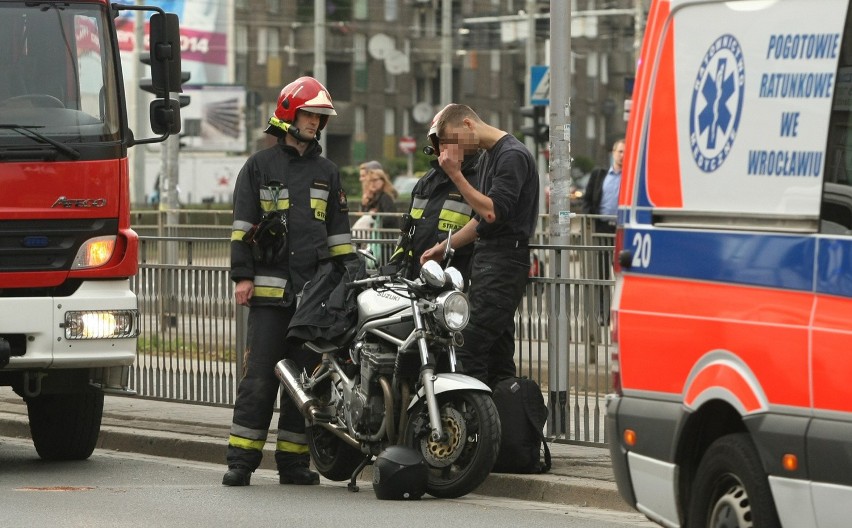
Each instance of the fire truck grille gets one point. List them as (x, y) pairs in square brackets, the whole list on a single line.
[(47, 245)]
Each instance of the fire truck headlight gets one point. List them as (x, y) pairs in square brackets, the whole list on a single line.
[(94, 252), (101, 324)]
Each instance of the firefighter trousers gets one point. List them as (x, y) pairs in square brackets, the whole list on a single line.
[(259, 387)]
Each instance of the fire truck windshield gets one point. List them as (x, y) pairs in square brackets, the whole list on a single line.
[(59, 73)]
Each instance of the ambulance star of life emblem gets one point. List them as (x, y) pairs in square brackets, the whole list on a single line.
[(717, 103)]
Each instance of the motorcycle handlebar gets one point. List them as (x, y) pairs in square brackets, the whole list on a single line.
[(378, 280), (369, 281)]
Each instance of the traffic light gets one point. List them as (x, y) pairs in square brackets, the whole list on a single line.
[(150, 85), (539, 131), (165, 111)]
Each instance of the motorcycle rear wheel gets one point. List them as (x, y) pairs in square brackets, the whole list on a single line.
[(333, 458), (459, 465)]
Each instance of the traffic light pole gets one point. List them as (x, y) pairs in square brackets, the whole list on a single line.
[(141, 113), (560, 214), (168, 221)]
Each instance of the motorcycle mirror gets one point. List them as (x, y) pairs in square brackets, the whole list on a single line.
[(368, 255), (432, 274), (448, 249)]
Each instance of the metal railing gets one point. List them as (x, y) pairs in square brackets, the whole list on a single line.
[(193, 334)]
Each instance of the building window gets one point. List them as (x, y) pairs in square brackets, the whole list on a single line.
[(268, 44), (273, 6), (339, 80), (360, 9), (273, 41), (361, 81), (391, 10), (241, 51), (241, 5), (495, 73), (335, 10), (261, 45)]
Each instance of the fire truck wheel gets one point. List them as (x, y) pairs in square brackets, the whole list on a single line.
[(66, 426), (730, 489)]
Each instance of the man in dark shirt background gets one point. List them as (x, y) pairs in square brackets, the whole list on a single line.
[(506, 207)]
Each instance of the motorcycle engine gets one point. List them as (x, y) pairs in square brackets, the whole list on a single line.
[(368, 404)]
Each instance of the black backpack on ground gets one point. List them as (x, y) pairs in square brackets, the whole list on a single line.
[(522, 416)]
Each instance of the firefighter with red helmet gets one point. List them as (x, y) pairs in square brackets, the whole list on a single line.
[(290, 214)]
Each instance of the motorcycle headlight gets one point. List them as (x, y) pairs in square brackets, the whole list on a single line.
[(452, 310)]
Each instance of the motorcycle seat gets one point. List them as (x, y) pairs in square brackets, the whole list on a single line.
[(322, 345)]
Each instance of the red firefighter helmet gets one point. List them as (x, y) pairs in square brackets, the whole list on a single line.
[(305, 93)]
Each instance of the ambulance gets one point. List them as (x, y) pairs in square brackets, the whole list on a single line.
[(732, 311)]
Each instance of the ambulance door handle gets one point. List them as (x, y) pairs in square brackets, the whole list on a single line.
[(625, 258)]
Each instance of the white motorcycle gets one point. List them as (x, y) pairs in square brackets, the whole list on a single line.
[(392, 380)]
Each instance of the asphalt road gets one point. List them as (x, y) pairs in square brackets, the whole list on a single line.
[(124, 489)]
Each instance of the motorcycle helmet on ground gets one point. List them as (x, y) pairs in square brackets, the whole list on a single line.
[(305, 93), (400, 473)]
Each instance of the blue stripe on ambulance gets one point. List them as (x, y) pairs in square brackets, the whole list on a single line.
[(754, 259)]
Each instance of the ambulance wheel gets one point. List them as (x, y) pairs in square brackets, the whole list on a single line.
[(34, 101), (66, 426), (730, 489)]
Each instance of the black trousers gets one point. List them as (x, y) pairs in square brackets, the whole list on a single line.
[(258, 389), (498, 278)]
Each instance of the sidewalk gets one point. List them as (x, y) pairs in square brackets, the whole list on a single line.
[(580, 475)]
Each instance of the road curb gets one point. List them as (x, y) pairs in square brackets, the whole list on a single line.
[(554, 489)]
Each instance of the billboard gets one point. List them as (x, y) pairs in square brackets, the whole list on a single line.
[(203, 37), (214, 120)]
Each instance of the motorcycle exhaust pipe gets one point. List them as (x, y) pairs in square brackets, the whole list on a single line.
[(289, 375)]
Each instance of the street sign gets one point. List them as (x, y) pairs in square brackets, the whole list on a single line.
[(540, 85), (407, 144)]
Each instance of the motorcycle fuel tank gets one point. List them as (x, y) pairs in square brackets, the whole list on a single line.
[(373, 304)]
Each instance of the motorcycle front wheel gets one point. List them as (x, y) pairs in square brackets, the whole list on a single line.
[(333, 458), (460, 464)]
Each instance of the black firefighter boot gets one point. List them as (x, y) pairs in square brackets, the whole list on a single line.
[(294, 468), (237, 476)]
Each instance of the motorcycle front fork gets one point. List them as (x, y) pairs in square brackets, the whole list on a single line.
[(427, 378)]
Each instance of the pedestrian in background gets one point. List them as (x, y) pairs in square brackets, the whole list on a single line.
[(601, 198), (382, 196), (506, 205), (290, 213), (364, 176)]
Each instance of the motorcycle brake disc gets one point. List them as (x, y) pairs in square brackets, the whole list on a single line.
[(442, 454)]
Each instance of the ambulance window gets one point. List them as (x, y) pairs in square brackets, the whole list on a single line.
[(836, 210)]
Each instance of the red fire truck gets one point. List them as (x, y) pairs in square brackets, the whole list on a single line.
[(733, 302), (68, 319)]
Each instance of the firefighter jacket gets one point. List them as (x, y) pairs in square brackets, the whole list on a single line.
[(304, 190), (437, 207)]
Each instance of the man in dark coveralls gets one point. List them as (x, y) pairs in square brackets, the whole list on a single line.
[(505, 201)]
